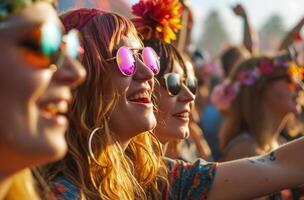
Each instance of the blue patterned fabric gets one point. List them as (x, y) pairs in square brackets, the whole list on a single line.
[(186, 181), (189, 180), (64, 189)]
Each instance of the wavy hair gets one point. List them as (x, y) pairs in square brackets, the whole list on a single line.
[(247, 112), (119, 174)]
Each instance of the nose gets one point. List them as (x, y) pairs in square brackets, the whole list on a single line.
[(142, 71), (71, 73), (185, 95)]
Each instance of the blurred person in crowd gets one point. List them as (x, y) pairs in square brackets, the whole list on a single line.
[(37, 76), (211, 118), (261, 94)]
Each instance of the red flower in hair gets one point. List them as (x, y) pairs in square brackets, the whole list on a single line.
[(158, 18)]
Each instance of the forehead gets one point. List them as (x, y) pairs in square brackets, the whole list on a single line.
[(30, 17), (177, 68), (189, 68), (130, 41)]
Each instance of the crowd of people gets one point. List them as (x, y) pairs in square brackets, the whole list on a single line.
[(100, 106)]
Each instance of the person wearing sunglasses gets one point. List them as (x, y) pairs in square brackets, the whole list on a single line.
[(240, 179), (38, 69), (111, 154)]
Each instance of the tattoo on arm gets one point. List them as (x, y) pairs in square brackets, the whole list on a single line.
[(272, 157)]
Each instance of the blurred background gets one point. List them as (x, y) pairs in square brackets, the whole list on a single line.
[(215, 26)]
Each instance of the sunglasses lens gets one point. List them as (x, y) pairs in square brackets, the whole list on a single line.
[(173, 83), (150, 59), (37, 60), (125, 61), (192, 84), (50, 38), (72, 44)]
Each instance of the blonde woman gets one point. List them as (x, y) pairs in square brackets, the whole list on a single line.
[(109, 156), (36, 81)]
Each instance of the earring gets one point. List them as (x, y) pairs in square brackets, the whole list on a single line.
[(90, 144)]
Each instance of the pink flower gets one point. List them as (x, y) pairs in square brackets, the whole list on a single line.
[(266, 66), (222, 96)]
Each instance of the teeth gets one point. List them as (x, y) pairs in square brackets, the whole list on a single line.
[(53, 108), (140, 96), (185, 114), (63, 107)]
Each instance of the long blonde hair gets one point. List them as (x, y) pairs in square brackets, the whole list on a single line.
[(247, 112), (120, 174)]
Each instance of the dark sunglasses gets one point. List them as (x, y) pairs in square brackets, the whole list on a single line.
[(173, 83), (46, 46), (126, 61)]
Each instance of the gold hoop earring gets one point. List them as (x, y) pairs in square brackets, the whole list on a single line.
[(90, 144)]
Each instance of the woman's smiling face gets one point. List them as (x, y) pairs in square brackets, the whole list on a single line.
[(133, 113), (173, 112), (33, 99)]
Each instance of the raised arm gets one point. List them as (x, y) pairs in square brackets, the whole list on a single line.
[(249, 35), (257, 176), (291, 35)]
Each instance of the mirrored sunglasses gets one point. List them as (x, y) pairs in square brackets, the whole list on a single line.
[(126, 60), (173, 83), (46, 46)]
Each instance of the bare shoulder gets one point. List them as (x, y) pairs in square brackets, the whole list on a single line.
[(240, 148)]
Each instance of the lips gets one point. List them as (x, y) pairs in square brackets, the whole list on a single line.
[(185, 115), (54, 107), (142, 96)]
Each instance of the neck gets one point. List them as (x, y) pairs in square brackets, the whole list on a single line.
[(276, 126), (164, 147), (124, 144)]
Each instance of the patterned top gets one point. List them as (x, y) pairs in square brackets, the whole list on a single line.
[(189, 180), (186, 181)]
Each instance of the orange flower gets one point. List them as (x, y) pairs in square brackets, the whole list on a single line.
[(161, 16), (295, 72)]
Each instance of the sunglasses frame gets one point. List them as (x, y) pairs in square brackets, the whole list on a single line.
[(64, 43), (139, 57), (183, 81), (57, 57)]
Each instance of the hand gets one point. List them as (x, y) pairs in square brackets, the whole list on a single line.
[(239, 10)]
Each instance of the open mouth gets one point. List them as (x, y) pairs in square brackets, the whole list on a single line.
[(143, 97), (185, 115), (54, 108)]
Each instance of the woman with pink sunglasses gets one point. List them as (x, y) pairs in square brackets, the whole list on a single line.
[(111, 152), (37, 76)]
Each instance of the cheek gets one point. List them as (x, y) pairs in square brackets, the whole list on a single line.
[(165, 103), (117, 82)]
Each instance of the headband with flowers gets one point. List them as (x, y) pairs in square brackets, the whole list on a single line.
[(224, 93), (158, 18), (8, 7)]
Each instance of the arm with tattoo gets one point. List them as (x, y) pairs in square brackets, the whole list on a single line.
[(258, 176)]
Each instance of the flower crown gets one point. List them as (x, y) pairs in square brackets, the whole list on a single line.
[(8, 7), (158, 18), (224, 93)]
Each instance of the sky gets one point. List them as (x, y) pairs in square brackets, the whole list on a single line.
[(258, 11)]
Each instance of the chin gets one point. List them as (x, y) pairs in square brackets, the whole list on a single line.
[(54, 150), (149, 124)]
